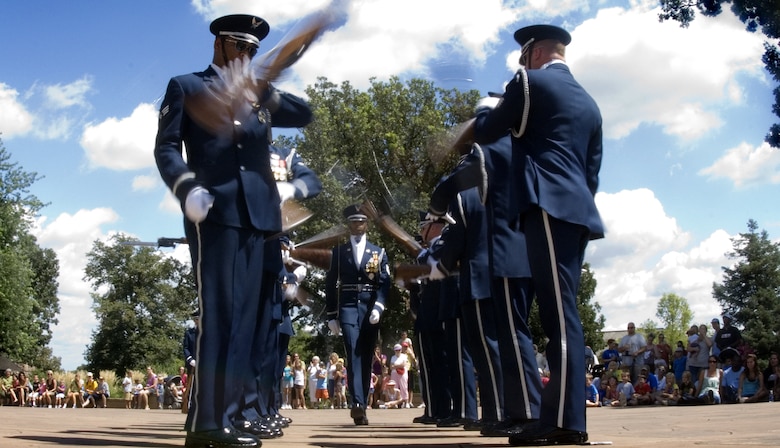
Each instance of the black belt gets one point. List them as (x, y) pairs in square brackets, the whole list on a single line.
[(357, 288)]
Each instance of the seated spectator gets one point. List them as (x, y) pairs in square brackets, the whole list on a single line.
[(32, 397), (59, 396), (51, 390), (40, 396), (7, 393), (140, 397), (751, 382), (74, 392), (687, 388), (611, 392), (90, 386), (731, 375), (771, 374), (651, 380), (591, 393), (149, 389), (643, 393), (611, 353), (22, 388), (625, 390), (670, 394), (391, 398), (102, 393), (709, 382)]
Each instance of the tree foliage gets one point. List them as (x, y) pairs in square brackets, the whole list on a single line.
[(28, 273), (141, 299), (675, 315), (761, 15), (750, 289), (380, 144)]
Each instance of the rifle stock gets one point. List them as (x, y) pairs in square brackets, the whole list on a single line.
[(407, 272)]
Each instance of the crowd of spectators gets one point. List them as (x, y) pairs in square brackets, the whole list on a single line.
[(84, 390), (707, 368)]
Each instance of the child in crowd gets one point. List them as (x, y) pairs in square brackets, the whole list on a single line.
[(625, 390), (670, 394), (59, 398), (338, 389), (611, 395), (643, 392), (322, 386), (591, 393)]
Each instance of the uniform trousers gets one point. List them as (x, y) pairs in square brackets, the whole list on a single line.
[(522, 384), (556, 250), (460, 368), (359, 343), (226, 261), (481, 328)]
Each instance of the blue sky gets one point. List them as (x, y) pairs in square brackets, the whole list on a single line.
[(685, 112)]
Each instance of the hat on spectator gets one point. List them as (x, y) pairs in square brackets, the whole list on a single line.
[(397, 347), (728, 316), (714, 320), (89, 373), (728, 353), (405, 344), (391, 383)]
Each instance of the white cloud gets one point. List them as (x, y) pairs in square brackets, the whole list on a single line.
[(146, 182), (278, 15), (122, 144), (661, 74), (14, 117), (71, 237), (169, 203), (746, 165), (645, 254), (61, 96)]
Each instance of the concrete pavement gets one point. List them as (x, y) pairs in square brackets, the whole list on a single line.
[(710, 426)]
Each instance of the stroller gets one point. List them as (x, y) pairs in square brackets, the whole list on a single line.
[(172, 394)]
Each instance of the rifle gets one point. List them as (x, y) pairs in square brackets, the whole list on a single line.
[(408, 272), (392, 228)]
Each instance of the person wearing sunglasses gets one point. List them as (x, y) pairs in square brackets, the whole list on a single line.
[(231, 204)]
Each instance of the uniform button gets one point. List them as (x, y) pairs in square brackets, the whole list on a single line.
[(242, 168), (240, 146), (236, 123)]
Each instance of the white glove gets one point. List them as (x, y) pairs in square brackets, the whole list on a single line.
[(300, 273), (446, 217), (334, 326), (488, 102), (436, 273), (286, 259), (376, 313), (286, 191), (192, 363), (290, 291), (197, 204)]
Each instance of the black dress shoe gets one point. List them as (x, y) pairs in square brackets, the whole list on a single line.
[(473, 425), (542, 435), (449, 422), (425, 420), (273, 421), (259, 429), (284, 420), (361, 421), (358, 411), (221, 438), (505, 428)]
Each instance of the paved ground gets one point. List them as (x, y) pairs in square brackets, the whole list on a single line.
[(710, 426)]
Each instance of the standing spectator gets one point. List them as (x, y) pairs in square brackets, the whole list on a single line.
[(649, 353), (377, 369), (333, 359), (313, 371), (127, 388), (611, 353), (698, 362), (663, 353), (751, 382), (398, 371), (631, 347), (541, 360), (339, 400), (716, 329), (679, 362), (322, 386), (411, 368), (299, 382), (728, 336), (288, 381), (590, 358)]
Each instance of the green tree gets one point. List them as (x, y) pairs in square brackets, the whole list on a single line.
[(28, 273), (755, 14), (675, 315), (141, 300), (749, 290), (379, 144), (590, 314)]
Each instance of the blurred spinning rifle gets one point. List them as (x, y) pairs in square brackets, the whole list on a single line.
[(406, 273), (389, 226)]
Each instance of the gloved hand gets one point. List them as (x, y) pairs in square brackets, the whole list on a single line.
[(286, 191), (197, 204), (445, 217), (192, 363), (300, 273), (290, 291), (334, 327), (488, 102), (376, 313), (436, 273)]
